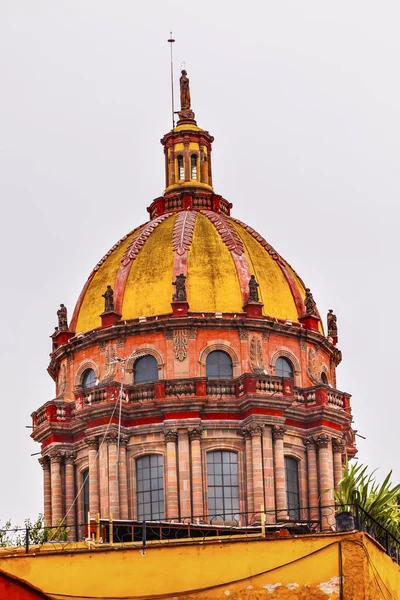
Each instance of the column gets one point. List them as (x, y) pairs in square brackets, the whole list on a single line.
[(70, 492), (113, 496), (325, 481), (280, 479), (56, 490), (312, 478), (258, 483), (197, 472), (249, 474), (45, 462), (184, 473), (171, 477), (94, 498), (103, 481), (186, 158), (123, 479), (269, 480), (338, 451)]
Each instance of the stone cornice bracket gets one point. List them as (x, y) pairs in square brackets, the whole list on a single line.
[(171, 436), (195, 433), (338, 445), (323, 440), (70, 458), (124, 440), (92, 442), (44, 461), (246, 433), (309, 442), (278, 432)]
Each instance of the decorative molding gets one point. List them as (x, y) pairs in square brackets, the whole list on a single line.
[(87, 364), (265, 335), (180, 344), (195, 433), (110, 364), (256, 356), (191, 333), (309, 442), (286, 354), (92, 442), (183, 232), (226, 231), (312, 368), (138, 241), (62, 380), (243, 335), (255, 430), (56, 456), (338, 445), (120, 342), (112, 438), (44, 461), (70, 457), (303, 345)]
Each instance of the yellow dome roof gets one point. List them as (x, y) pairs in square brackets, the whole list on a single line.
[(216, 253)]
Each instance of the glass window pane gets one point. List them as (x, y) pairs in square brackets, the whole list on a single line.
[(150, 487), (88, 378), (219, 365), (145, 369), (283, 367), (223, 489)]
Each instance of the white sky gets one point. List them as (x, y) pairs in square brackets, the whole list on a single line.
[(303, 100)]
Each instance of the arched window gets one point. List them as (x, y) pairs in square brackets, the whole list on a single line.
[(283, 367), (85, 483), (145, 369), (223, 484), (219, 365), (88, 379), (181, 168), (193, 166), (150, 487), (324, 378), (292, 487)]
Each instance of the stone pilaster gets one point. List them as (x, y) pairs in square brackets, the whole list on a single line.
[(56, 489), (256, 453), (249, 472), (171, 477), (312, 477), (269, 479), (45, 462), (338, 451), (184, 473), (94, 496), (123, 479), (278, 433), (113, 495), (70, 491), (103, 481), (325, 481), (197, 472)]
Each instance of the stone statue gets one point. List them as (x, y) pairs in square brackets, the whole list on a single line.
[(180, 289), (309, 303), (185, 91), (109, 299), (253, 290), (332, 324), (62, 318)]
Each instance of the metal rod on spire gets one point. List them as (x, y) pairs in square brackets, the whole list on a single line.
[(171, 41)]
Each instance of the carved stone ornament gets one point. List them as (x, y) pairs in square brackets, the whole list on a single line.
[(180, 344), (56, 456), (44, 461), (332, 324), (278, 432), (243, 335), (303, 345), (253, 289), (92, 442), (323, 440), (265, 335), (246, 433), (110, 364), (312, 369), (120, 343), (108, 299), (256, 356), (309, 442), (62, 380), (180, 289), (255, 430), (338, 445), (70, 457), (62, 318), (112, 437), (170, 435), (124, 441), (309, 303)]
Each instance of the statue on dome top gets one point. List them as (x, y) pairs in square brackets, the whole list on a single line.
[(253, 290), (62, 318), (180, 289), (309, 303), (331, 320), (108, 299), (185, 91)]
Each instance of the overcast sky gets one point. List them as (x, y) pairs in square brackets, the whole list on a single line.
[(303, 100)]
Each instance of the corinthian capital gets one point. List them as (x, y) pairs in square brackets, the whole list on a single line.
[(278, 432)]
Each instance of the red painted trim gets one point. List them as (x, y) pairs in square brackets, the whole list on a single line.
[(182, 415), (182, 239), (144, 421), (262, 411), (221, 416), (312, 424), (61, 439)]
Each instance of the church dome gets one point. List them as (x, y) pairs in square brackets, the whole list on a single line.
[(216, 253)]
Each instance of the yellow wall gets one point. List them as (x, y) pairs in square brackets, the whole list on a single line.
[(300, 568)]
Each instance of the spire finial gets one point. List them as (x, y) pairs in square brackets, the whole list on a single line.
[(171, 41)]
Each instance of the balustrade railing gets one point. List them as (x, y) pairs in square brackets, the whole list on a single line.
[(221, 388), (183, 387)]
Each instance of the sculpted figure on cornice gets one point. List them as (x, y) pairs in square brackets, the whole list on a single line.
[(180, 288), (62, 318), (331, 324), (309, 303), (108, 299), (253, 289)]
